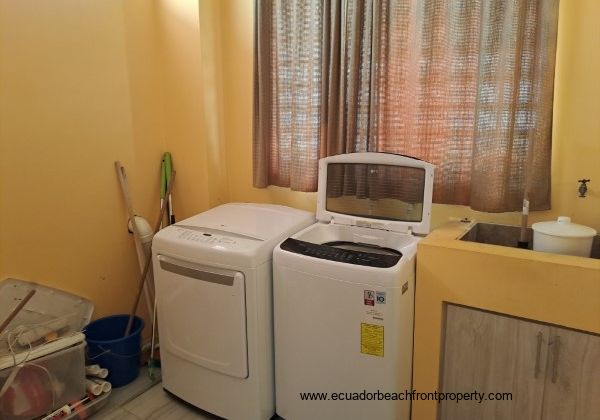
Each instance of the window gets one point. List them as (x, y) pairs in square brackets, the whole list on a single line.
[(464, 84)]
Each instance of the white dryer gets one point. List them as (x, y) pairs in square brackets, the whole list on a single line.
[(214, 289), (344, 291)]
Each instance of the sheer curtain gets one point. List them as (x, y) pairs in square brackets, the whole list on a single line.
[(464, 84)]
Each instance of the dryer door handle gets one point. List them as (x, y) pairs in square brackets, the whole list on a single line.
[(186, 269)]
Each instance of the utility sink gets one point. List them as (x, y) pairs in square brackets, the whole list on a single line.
[(507, 235)]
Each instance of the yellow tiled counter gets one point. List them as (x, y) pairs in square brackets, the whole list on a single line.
[(556, 289)]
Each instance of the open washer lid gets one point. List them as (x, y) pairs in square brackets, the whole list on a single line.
[(376, 190)]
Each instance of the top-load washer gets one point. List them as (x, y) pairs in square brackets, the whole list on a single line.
[(344, 291), (214, 290)]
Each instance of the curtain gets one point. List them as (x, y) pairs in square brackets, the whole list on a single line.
[(464, 84)]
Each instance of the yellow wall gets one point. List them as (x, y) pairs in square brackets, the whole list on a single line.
[(78, 90), (576, 144), (83, 84), (177, 22), (576, 151)]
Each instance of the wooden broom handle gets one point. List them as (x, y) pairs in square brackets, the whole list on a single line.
[(161, 215)]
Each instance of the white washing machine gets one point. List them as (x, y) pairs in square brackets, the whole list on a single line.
[(344, 291), (214, 288)]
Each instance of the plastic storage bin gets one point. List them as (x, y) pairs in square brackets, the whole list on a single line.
[(44, 384), (42, 351)]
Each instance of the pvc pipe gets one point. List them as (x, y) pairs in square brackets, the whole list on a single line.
[(93, 387)]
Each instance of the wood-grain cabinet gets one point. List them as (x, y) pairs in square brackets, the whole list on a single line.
[(552, 372)]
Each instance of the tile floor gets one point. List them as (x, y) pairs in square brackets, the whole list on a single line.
[(153, 404), (144, 399)]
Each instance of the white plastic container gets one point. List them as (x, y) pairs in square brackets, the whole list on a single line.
[(563, 237), (43, 368)]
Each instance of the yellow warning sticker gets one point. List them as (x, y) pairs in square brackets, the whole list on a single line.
[(371, 339)]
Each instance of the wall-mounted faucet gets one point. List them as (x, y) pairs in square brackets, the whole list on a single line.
[(583, 187)]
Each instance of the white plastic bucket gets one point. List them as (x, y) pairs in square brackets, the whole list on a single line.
[(563, 237)]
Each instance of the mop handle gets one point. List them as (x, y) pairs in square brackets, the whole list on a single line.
[(168, 170), (163, 208)]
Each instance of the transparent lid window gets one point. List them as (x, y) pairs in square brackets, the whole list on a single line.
[(376, 191)]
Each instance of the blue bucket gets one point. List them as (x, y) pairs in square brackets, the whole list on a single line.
[(110, 349)]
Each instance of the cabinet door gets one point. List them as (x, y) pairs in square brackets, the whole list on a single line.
[(491, 353), (572, 388)]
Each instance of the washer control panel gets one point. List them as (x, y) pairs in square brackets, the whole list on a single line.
[(331, 253)]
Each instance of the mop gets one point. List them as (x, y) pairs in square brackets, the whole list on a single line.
[(164, 176), (167, 173)]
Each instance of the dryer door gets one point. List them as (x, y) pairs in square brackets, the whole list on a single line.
[(205, 313)]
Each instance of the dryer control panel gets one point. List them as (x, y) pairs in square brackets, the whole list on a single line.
[(206, 237)]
